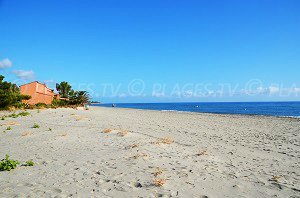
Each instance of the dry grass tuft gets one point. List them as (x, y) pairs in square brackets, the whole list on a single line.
[(202, 152), (165, 140), (63, 134), (27, 133), (159, 182), (107, 130), (78, 118), (11, 123), (133, 145), (275, 178), (122, 133), (11, 108), (143, 155), (158, 171)]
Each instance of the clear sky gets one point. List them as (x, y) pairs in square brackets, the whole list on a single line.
[(156, 50)]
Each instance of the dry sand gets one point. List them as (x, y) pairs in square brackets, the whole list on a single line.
[(110, 152)]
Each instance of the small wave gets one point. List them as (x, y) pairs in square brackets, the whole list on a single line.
[(290, 116), (177, 111)]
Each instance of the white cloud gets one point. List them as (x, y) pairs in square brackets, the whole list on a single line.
[(273, 90), (5, 63), (24, 75)]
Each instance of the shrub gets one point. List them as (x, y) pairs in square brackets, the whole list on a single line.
[(21, 105), (7, 164), (9, 128), (28, 163), (24, 113), (40, 105), (59, 103), (13, 115), (10, 95), (36, 126)]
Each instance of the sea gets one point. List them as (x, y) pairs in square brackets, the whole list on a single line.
[(279, 109)]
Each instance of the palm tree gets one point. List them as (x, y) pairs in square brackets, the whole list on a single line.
[(64, 89), (80, 97)]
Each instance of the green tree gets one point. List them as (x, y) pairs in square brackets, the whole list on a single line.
[(64, 89), (10, 94)]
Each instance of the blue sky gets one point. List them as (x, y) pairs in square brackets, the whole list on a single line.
[(156, 50)]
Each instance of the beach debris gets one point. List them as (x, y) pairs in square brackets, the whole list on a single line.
[(138, 185), (202, 152)]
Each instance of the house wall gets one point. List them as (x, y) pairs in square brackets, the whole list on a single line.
[(39, 93)]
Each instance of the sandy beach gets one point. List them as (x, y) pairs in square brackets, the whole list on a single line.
[(111, 152)]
